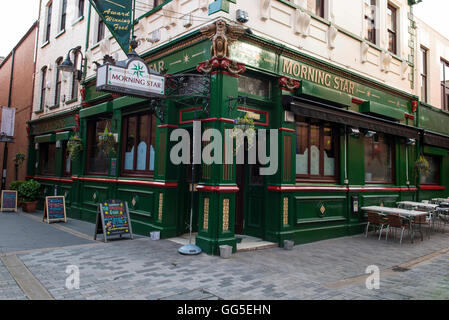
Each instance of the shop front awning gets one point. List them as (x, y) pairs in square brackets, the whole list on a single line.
[(312, 109)]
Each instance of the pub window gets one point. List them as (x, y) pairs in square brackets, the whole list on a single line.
[(43, 87), (63, 15), (254, 86), (80, 8), (97, 160), (370, 20), (139, 133), (423, 71), (157, 3), (100, 29), (47, 158), (57, 82), (316, 150), (445, 85), (316, 7), (392, 27), (378, 159), (67, 165), (433, 177), (48, 23)]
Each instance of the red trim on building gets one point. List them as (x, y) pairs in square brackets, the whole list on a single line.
[(336, 189), (286, 130), (428, 187), (219, 189), (209, 120), (186, 110), (50, 179), (167, 126), (409, 116), (267, 117), (226, 120), (357, 101), (129, 181)]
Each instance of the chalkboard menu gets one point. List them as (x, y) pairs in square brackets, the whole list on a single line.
[(113, 219), (54, 209), (9, 200)]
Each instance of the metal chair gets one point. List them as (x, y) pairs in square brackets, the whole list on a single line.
[(395, 221), (377, 221), (424, 221)]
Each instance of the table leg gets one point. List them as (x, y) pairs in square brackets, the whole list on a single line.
[(412, 231)]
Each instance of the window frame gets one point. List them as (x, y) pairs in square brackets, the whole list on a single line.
[(63, 20), (438, 183), (48, 22), (101, 30), (91, 130), (373, 22), (42, 146), (65, 154), (444, 85), (321, 178), (394, 31), (58, 83), (424, 73), (81, 5), (393, 161), (124, 137), (43, 88)]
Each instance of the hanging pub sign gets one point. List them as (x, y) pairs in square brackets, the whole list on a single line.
[(134, 78), (9, 200), (117, 15), (113, 219), (54, 209), (7, 125)]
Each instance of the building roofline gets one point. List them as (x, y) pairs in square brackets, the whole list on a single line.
[(34, 26)]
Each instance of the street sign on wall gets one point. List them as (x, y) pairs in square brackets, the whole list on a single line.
[(8, 118), (135, 80)]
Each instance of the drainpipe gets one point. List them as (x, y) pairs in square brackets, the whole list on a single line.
[(87, 41), (5, 148)]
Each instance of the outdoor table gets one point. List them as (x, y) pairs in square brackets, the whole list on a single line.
[(439, 200), (411, 205), (411, 214)]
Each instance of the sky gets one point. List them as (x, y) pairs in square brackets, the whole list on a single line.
[(17, 16)]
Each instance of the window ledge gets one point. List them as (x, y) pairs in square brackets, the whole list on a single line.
[(77, 20), (54, 107), (39, 111), (45, 44), (95, 46), (60, 33), (72, 101)]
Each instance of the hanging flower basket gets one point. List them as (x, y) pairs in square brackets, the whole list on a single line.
[(107, 142), (74, 147), (247, 126), (422, 166)]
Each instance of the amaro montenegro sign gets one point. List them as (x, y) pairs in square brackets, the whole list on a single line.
[(135, 79)]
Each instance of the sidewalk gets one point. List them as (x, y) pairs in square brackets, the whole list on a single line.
[(146, 269)]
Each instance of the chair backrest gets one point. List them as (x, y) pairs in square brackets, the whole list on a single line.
[(394, 220), (375, 218), (420, 219)]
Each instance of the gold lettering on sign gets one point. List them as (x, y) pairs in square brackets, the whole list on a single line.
[(320, 77)]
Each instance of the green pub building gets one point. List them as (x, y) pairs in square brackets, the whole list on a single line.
[(344, 141)]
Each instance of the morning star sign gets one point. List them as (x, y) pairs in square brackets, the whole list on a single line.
[(133, 78)]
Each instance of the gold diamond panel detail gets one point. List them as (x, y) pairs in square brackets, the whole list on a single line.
[(285, 211), (206, 214), (225, 214), (161, 206)]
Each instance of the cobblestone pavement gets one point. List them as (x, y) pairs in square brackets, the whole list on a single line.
[(332, 269), (9, 290)]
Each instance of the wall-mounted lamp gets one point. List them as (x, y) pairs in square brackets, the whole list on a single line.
[(410, 142), (354, 132), (370, 134), (242, 16), (68, 66)]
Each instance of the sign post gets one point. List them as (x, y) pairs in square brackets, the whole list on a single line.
[(54, 209), (9, 200), (113, 219)]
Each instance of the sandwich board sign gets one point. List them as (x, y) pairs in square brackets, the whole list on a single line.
[(113, 219), (54, 209), (9, 200)]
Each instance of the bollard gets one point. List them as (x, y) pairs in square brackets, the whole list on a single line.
[(288, 244), (225, 251)]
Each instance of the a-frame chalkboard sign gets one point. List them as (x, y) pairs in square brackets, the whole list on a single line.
[(9, 200), (113, 219), (54, 209)]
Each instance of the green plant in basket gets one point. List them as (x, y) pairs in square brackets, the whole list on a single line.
[(29, 190), (106, 142), (245, 125), (422, 166), (15, 185), (75, 146)]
